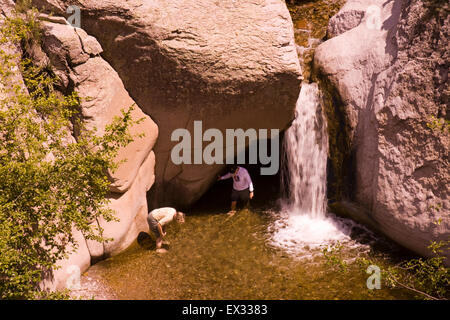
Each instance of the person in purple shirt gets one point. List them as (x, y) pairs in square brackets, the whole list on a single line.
[(242, 186)]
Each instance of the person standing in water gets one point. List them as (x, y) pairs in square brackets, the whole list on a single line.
[(242, 186), (158, 218)]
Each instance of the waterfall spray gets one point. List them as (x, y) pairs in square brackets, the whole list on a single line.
[(303, 222), (305, 163)]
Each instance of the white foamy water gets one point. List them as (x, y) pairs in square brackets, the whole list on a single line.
[(302, 223), (303, 230), (305, 163)]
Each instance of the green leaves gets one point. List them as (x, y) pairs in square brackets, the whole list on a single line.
[(428, 277), (51, 180), (22, 27), (439, 125), (332, 254)]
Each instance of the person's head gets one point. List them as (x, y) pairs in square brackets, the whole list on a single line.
[(179, 217), (233, 169)]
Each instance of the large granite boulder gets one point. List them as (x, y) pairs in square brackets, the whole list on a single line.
[(74, 56), (389, 65), (230, 64)]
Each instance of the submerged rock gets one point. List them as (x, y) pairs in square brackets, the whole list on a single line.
[(389, 64)]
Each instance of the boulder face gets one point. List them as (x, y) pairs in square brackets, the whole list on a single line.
[(231, 64), (390, 69), (74, 57), (349, 17)]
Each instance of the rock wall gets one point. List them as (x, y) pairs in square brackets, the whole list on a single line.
[(388, 61), (230, 64), (74, 56)]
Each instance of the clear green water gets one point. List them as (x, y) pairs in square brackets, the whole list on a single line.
[(213, 256)]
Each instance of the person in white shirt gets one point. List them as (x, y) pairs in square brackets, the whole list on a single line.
[(159, 218), (242, 186)]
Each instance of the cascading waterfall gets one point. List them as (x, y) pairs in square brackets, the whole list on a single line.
[(304, 165), (303, 223)]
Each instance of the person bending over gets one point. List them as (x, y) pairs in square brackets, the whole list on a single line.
[(242, 186), (158, 218)]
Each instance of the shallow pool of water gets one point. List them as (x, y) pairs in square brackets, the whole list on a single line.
[(213, 256)]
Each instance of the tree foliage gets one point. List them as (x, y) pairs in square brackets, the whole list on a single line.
[(51, 180), (426, 276), (429, 278)]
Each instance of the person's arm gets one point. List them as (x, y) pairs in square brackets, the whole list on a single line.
[(250, 185), (227, 176), (161, 232)]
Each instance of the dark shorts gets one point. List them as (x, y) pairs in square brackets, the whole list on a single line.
[(153, 225), (243, 195)]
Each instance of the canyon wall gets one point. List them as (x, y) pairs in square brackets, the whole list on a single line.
[(74, 57), (388, 62)]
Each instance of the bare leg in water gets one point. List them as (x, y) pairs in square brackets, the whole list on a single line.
[(233, 208), (159, 243)]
